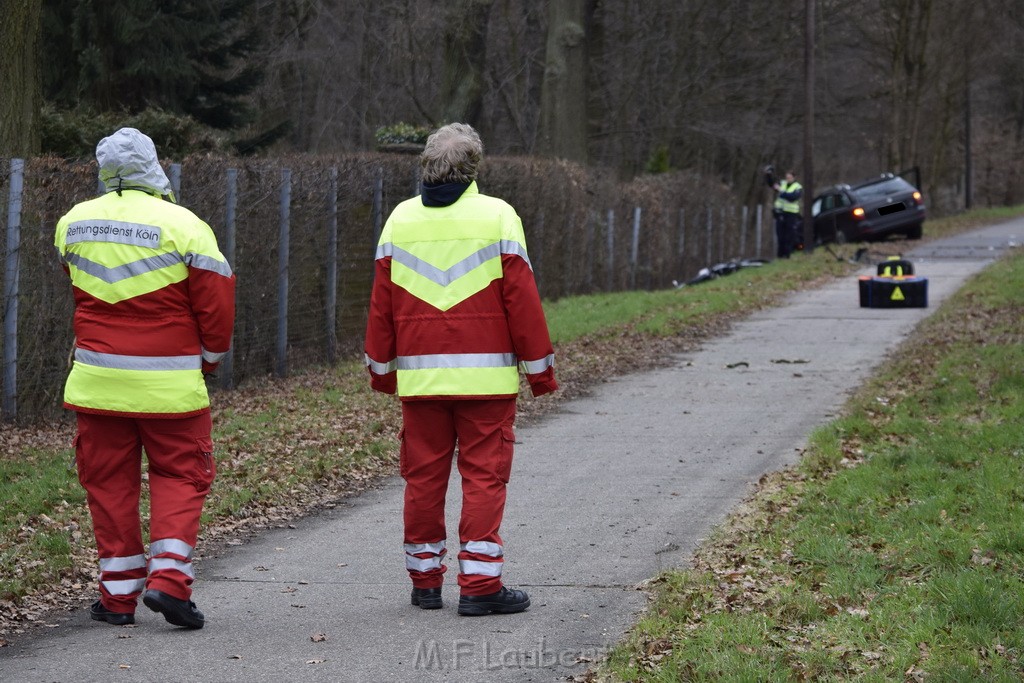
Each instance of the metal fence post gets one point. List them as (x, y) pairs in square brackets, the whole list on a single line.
[(331, 303), (757, 234), (378, 207), (11, 268), (282, 273), (708, 245), (175, 178), (227, 366), (634, 251), (588, 234), (537, 257), (610, 274), (743, 231), (682, 239), (723, 228)]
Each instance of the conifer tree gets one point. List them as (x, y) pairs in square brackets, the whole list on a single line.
[(183, 56)]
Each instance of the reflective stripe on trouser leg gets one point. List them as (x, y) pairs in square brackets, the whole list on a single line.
[(123, 577), (108, 455), (486, 440), (425, 462), (481, 558), (181, 469), (424, 562)]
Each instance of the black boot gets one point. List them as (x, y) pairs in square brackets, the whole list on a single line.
[(100, 613), (175, 611), (427, 598), (505, 601)]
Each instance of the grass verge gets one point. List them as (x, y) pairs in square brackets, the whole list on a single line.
[(285, 447), (894, 551)]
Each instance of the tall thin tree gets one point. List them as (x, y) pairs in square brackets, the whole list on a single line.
[(563, 100), (19, 78)]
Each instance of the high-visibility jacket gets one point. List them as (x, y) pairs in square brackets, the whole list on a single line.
[(789, 197), (154, 305), (454, 311)]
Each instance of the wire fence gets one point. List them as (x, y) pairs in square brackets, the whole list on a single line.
[(300, 233)]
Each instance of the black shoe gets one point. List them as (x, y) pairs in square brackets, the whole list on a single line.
[(100, 613), (175, 611), (505, 601), (427, 598)]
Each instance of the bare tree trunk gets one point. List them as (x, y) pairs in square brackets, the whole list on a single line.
[(563, 108), (465, 44), (19, 78)]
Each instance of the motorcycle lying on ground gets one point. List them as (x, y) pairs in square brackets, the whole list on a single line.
[(719, 270)]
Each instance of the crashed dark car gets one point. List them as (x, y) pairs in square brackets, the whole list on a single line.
[(874, 209)]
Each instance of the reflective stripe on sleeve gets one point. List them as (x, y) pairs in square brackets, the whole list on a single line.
[(117, 361), (379, 368), (124, 586), (484, 548), (171, 545), (123, 272), (122, 564), (161, 563), (532, 367), (204, 262), (434, 361), (517, 249), (480, 568), (211, 357)]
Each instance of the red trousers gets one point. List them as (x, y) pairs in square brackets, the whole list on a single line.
[(108, 452), (482, 429)]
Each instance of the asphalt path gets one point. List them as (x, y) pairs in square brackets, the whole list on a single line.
[(614, 488)]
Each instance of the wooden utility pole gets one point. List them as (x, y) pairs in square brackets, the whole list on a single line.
[(808, 182)]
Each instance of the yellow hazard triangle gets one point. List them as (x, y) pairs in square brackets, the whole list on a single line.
[(897, 295)]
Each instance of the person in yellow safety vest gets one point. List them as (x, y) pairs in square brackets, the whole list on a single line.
[(787, 214), (154, 312), (454, 315)]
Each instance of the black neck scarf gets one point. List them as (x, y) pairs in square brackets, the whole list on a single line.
[(444, 194)]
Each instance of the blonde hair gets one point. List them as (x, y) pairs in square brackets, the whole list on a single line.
[(451, 155)]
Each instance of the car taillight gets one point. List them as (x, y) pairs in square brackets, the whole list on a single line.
[(917, 197), (858, 213)]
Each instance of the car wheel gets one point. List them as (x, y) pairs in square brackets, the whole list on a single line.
[(914, 233)]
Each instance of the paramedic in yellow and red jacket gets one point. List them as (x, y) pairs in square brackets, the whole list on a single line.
[(454, 314), (154, 311)]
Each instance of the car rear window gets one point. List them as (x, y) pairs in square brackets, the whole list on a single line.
[(892, 186)]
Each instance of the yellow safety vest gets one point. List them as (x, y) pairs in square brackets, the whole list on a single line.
[(443, 256), (118, 247), (786, 205)]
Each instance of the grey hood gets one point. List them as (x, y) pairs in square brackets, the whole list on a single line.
[(128, 160)]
